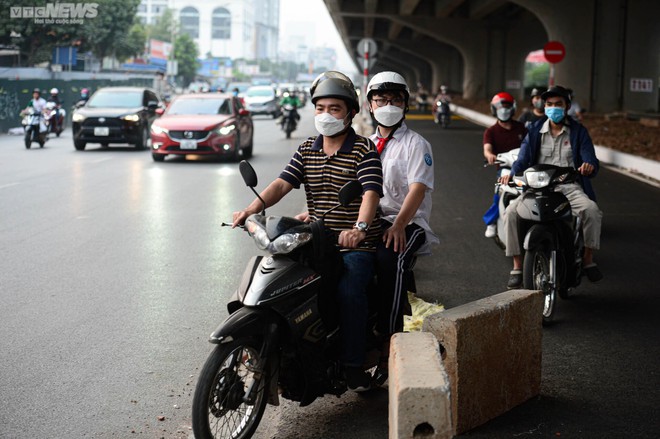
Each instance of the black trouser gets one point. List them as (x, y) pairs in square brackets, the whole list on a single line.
[(391, 268)]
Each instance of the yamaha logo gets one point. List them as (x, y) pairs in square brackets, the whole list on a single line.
[(188, 134), (101, 119)]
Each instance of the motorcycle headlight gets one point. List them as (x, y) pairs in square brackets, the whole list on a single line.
[(288, 242), (226, 129), (537, 179), (77, 117), (158, 130), (131, 117)]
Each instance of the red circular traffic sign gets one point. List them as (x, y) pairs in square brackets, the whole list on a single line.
[(554, 51)]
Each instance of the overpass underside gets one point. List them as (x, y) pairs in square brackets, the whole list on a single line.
[(478, 47)]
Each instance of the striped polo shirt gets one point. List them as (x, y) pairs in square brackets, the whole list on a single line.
[(324, 175)]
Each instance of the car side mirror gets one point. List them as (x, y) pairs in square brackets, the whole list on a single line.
[(160, 111), (243, 112)]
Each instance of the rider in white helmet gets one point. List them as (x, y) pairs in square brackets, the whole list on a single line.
[(406, 205)]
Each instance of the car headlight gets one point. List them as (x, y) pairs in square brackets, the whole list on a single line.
[(537, 179), (77, 117), (131, 117), (158, 130), (226, 129)]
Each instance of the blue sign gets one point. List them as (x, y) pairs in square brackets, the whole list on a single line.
[(65, 55)]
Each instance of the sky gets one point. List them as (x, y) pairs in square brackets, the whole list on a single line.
[(314, 17)]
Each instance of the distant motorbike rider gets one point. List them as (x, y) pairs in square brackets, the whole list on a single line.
[(37, 102), (444, 97), (290, 98), (408, 180), (505, 135), (536, 112), (559, 140), (55, 98)]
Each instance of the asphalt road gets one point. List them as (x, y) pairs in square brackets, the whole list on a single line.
[(115, 270)]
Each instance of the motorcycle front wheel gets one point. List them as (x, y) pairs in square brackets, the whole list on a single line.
[(221, 406), (28, 138), (536, 276)]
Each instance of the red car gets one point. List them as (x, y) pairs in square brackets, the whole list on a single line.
[(203, 124)]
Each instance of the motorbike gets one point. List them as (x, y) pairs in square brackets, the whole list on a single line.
[(54, 117), (35, 127), (289, 121), (281, 336), (553, 243), (504, 193), (442, 113)]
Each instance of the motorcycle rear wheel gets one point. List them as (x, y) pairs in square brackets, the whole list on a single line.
[(536, 276), (219, 410), (28, 138)]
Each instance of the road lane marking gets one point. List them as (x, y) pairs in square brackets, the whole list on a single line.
[(8, 185)]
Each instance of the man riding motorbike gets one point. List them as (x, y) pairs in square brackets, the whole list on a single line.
[(323, 164), (529, 116), (290, 98), (55, 121), (558, 140)]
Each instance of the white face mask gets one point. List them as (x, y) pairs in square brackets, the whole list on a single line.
[(328, 125), (389, 115), (504, 114)]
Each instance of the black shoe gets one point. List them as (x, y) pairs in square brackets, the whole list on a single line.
[(357, 379), (592, 272), (380, 375), (515, 280)]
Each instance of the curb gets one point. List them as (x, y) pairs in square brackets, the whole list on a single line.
[(645, 170)]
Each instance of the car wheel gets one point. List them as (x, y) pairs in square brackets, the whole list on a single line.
[(79, 145), (144, 139), (247, 151)]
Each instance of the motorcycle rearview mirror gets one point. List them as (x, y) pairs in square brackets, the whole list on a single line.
[(349, 192), (250, 178)]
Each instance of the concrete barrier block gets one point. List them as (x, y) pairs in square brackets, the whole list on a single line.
[(419, 401), (492, 354)]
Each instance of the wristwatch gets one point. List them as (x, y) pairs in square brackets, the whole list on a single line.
[(361, 226)]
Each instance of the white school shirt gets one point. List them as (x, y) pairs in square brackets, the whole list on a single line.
[(407, 159)]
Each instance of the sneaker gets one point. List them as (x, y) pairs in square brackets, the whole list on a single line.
[(491, 231), (592, 272), (357, 379), (515, 279)]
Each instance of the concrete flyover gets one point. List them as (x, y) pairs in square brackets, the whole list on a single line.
[(478, 47)]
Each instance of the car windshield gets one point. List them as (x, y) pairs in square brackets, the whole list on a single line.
[(200, 106), (260, 92), (115, 99)]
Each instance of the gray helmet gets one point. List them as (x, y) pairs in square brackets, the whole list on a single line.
[(535, 92), (332, 84), (557, 90)]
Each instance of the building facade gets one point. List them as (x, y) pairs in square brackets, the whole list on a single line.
[(235, 29)]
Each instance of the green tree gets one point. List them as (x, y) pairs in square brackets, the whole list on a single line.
[(185, 53), (115, 18), (132, 44), (164, 27)]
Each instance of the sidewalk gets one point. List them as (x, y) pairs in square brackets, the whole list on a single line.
[(645, 170)]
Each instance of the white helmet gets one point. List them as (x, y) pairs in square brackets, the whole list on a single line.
[(54, 91), (388, 81)]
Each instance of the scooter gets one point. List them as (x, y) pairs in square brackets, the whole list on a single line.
[(553, 243), (54, 117), (35, 127), (281, 336), (504, 193), (442, 113), (289, 121)]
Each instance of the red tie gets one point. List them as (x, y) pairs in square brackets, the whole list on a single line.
[(380, 146)]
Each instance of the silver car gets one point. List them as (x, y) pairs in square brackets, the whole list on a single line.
[(261, 99)]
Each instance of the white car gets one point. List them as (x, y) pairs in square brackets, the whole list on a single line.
[(261, 99)]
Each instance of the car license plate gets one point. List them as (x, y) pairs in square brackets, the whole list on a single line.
[(101, 131), (188, 144)]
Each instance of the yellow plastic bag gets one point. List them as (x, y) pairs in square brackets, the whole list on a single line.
[(420, 309)]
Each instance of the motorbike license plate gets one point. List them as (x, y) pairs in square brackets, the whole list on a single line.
[(188, 144), (101, 131)]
